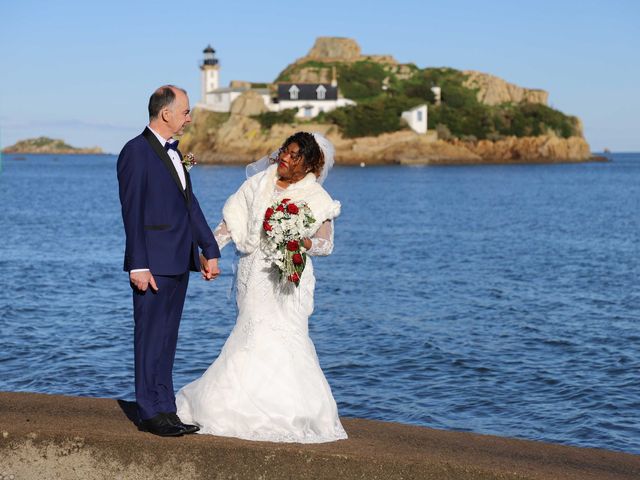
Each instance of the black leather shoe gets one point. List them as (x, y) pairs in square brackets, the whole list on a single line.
[(160, 425), (175, 420)]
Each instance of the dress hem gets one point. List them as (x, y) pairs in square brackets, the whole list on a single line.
[(279, 438)]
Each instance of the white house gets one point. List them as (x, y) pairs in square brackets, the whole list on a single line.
[(416, 118), (309, 98)]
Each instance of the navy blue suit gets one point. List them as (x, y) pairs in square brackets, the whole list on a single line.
[(164, 226)]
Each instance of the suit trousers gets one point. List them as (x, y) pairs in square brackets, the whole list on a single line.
[(157, 320)]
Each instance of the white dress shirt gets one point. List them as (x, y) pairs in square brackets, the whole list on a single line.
[(175, 159)]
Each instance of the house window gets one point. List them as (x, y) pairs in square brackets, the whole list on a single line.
[(321, 92), (218, 97), (293, 92), (308, 111), (419, 112)]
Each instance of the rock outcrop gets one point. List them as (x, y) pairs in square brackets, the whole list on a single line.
[(545, 148), (337, 50), (493, 90), (248, 103), (334, 49), (311, 75), (238, 139), (49, 145), (340, 49), (407, 147)]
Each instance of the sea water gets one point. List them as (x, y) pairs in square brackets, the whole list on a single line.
[(493, 299)]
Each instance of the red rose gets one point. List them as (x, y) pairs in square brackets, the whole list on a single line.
[(280, 208), (294, 277), (285, 201), (266, 226), (292, 208), (292, 245), (268, 213), (297, 259)]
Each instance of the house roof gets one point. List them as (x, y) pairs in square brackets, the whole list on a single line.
[(418, 107), (307, 91)]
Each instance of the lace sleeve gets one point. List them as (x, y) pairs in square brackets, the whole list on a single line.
[(222, 235), (322, 241)]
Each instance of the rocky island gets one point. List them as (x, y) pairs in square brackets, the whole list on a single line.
[(48, 145), (473, 117)]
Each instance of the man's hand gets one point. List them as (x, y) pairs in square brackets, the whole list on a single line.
[(209, 268), (143, 280)]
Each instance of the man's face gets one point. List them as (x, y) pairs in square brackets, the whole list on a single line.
[(178, 114)]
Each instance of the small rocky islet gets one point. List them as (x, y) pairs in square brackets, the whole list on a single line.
[(46, 145)]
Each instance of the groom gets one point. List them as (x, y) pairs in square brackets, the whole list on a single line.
[(164, 226)]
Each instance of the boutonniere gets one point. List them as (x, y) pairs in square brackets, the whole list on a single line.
[(189, 160)]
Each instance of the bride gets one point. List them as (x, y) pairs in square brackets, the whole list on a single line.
[(267, 383)]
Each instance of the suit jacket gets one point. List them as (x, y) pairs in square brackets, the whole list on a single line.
[(163, 222)]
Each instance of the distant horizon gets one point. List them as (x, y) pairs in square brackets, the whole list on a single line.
[(84, 72)]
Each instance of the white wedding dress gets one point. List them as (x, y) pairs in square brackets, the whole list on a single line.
[(267, 384)]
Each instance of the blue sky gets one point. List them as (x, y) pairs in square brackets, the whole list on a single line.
[(83, 71)]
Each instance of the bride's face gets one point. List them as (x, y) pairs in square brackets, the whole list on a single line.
[(291, 166)]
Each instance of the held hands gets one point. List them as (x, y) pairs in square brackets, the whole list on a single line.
[(143, 280), (209, 268)]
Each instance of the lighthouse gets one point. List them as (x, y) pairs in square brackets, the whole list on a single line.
[(210, 76)]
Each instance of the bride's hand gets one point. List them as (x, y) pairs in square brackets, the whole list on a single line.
[(307, 243)]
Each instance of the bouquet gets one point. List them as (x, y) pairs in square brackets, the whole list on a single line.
[(285, 224)]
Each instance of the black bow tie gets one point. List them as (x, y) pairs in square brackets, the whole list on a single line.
[(171, 146)]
